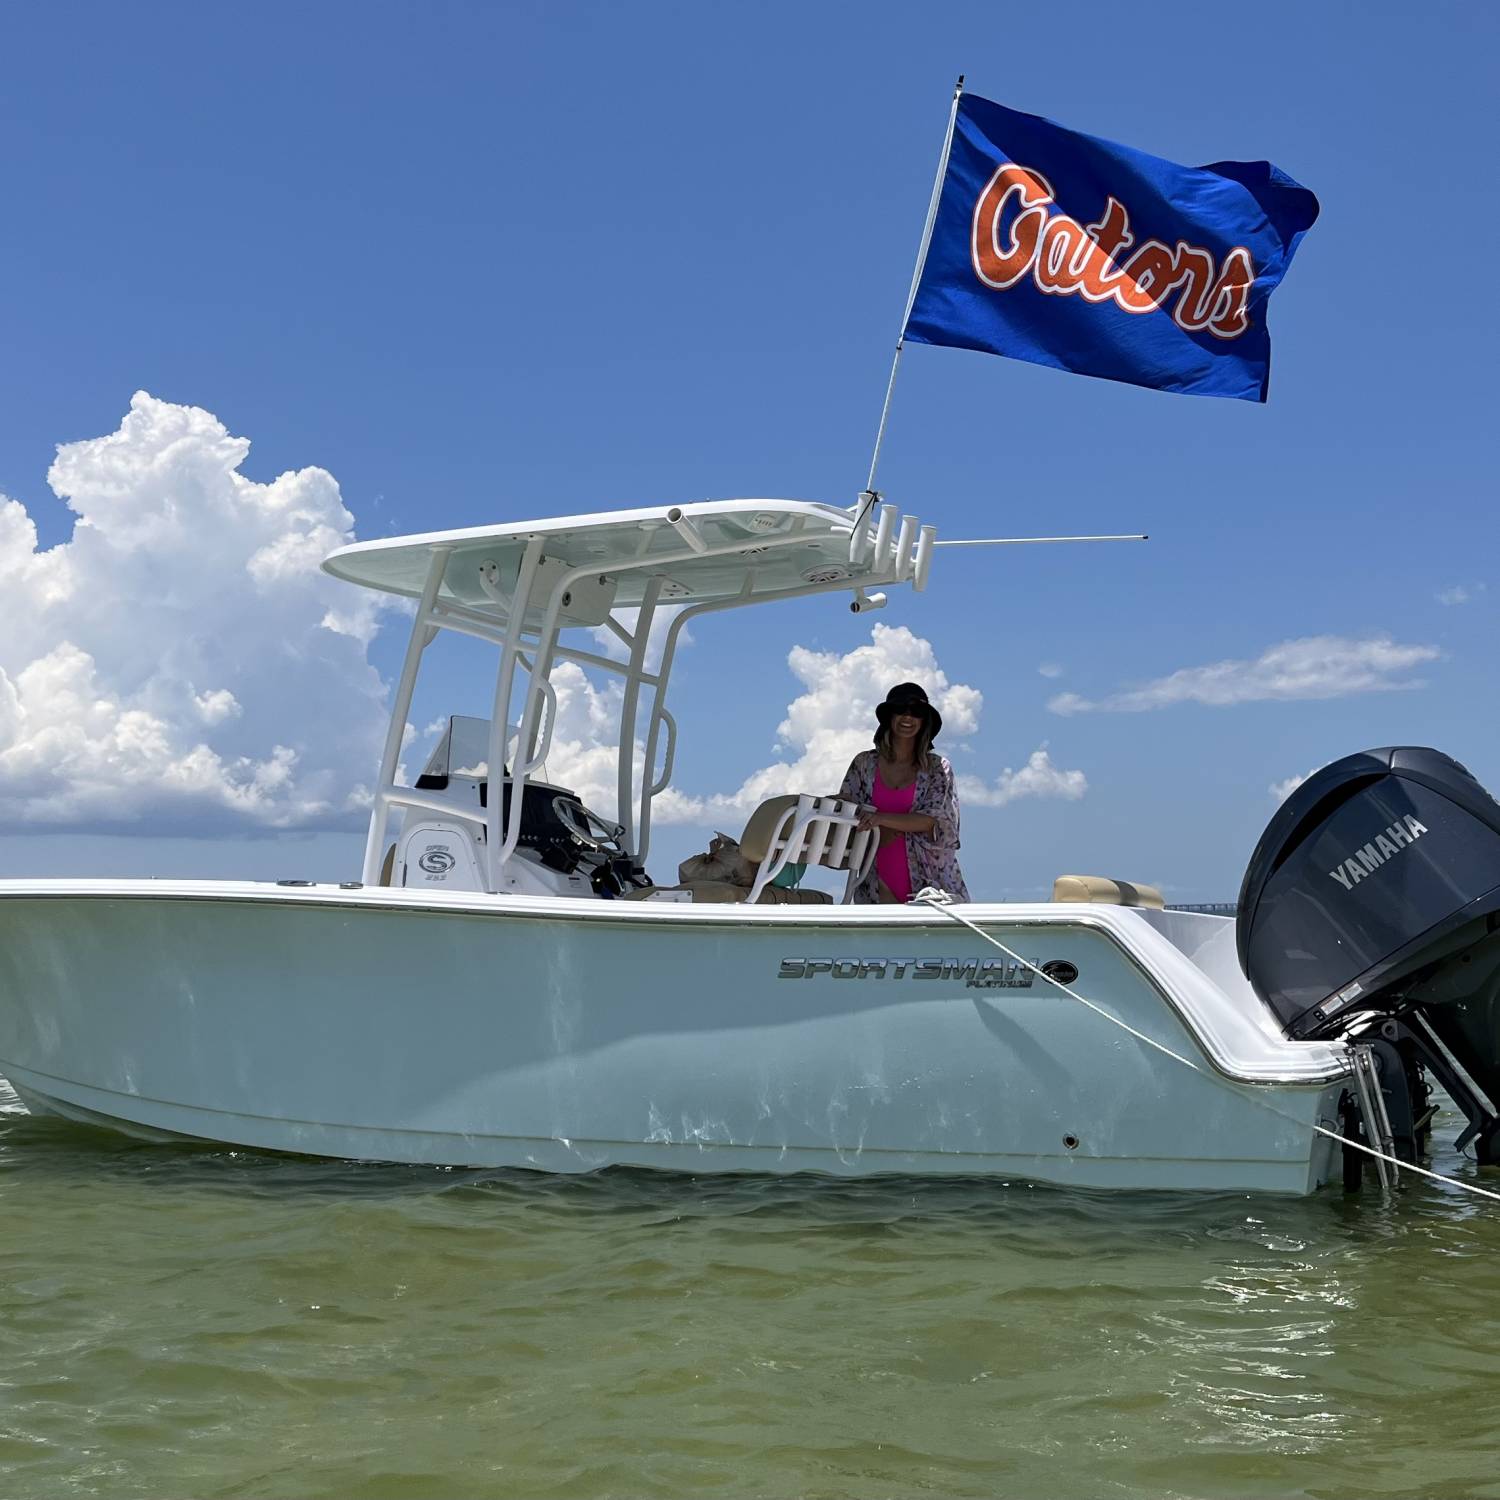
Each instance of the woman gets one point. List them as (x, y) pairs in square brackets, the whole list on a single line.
[(913, 804)]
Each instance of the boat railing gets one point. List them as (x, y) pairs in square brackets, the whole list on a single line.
[(435, 802)]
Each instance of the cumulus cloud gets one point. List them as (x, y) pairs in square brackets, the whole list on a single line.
[(583, 754), (824, 728), (181, 663), (1458, 593), (1049, 669), (1320, 666), (217, 706), (1037, 778), (830, 722)]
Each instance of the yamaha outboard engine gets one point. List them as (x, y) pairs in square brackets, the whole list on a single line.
[(1371, 908)]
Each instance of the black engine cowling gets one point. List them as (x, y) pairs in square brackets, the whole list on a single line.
[(1375, 892)]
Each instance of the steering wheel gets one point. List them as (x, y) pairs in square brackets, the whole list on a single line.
[(595, 833)]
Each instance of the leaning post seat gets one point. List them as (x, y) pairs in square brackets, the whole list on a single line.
[(806, 830), (791, 830), (1099, 890)]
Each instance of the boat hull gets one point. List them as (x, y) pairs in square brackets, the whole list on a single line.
[(557, 1036)]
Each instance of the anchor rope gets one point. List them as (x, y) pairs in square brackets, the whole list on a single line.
[(939, 901)]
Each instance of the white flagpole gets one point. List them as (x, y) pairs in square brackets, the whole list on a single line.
[(868, 497)]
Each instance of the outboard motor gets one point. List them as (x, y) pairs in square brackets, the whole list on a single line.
[(1371, 908)]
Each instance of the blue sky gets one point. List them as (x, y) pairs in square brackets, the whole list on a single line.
[(481, 262)]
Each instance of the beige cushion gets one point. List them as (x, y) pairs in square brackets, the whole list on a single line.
[(755, 842), (802, 895), (702, 890), (1101, 891), (716, 891)]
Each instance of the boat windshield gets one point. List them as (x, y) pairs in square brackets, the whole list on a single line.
[(462, 751)]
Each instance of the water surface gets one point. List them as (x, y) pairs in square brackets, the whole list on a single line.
[(189, 1321)]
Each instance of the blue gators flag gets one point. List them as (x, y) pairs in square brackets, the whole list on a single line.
[(1074, 252)]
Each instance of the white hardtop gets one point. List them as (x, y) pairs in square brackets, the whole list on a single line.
[(713, 549)]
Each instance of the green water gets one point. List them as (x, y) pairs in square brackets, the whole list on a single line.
[(195, 1322)]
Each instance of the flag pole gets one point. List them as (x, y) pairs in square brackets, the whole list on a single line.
[(868, 498)]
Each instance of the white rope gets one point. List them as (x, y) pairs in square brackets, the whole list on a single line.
[(939, 901), (1395, 1161)]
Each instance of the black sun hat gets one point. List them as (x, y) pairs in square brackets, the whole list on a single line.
[(909, 697)]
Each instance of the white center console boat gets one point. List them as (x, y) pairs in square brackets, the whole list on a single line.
[(506, 986)]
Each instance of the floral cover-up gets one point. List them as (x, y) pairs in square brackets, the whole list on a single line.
[(932, 857)]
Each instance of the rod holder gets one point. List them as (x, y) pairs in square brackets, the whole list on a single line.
[(905, 540), (883, 530), (923, 565), (859, 533), (686, 530)]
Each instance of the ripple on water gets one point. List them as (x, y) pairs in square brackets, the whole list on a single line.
[(195, 1320)]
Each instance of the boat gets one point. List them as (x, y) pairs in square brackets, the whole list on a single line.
[(505, 986)]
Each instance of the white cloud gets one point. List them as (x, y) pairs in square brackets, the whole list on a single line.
[(181, 663), (583, 754), (824, 728), (834, 719), (1321, 666), (1458, 593), (1037, 778), (1049, 669), (217, 706)]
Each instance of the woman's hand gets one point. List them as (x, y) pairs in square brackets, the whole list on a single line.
[(896, 824)]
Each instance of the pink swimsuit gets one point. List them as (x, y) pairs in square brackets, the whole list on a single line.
[(890, 858)]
